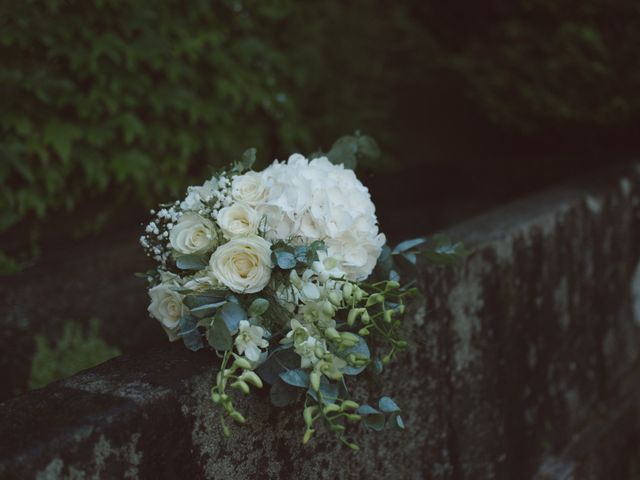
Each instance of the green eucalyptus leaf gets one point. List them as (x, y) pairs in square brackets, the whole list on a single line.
[(282, 394), (190, 334), (248, 158), (297, 378), (367, 147), (280, 360), (258, 307), (328, 390), (361, 349), (344, 152), (192, 262), (207, 310), (377, 366), (399, 422), (410, 257), (284, 259), (302, 254), (232, 313), (371, 417), (409, 244), (219, 336), (195, 301), (387, 405), (445, 252)]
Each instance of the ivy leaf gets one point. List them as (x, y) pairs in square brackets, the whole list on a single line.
[(219, 336), (282, 394), (387, 405), (296, 378), (60, 136)]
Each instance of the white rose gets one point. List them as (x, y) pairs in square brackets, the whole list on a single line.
[(243, 264), (238, 220), (166, 306), (193, 234), (249, 188)]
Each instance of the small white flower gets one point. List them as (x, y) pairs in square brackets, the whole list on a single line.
[(250, 340), (197, 196)]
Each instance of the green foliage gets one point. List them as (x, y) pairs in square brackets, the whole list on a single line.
[(75, 351), (132, 101), (535, 64)]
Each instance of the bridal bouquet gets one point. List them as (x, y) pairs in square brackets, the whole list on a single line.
[(285, 274)]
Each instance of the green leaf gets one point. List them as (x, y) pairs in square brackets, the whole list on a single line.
[(367, 147), (387, 405), (60, 136), (296, 378), (282, 394), (343, 151), (409, 244), (410, 257), (384, 264), (192, 262), (248, 158), (301, 254), (445, 252), (231, 314), (329, 391), (361, 349), (258, 307), (219, 336), (399, 422), (284, 259), (190, 334), (280, 360), (195, 301), (371, 417), (207, 310)]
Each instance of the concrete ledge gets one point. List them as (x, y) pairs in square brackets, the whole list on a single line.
[(525, 350)]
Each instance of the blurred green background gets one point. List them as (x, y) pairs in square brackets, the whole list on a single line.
[(111, 106)]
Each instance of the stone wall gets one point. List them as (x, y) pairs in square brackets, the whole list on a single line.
[(524, 363)]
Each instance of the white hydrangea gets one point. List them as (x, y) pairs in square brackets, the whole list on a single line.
[(317, 200)]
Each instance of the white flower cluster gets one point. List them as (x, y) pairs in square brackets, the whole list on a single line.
[(231, 223), (268, 268), (316, 200)]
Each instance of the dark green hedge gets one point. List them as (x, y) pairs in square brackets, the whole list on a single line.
[(136, 98)]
